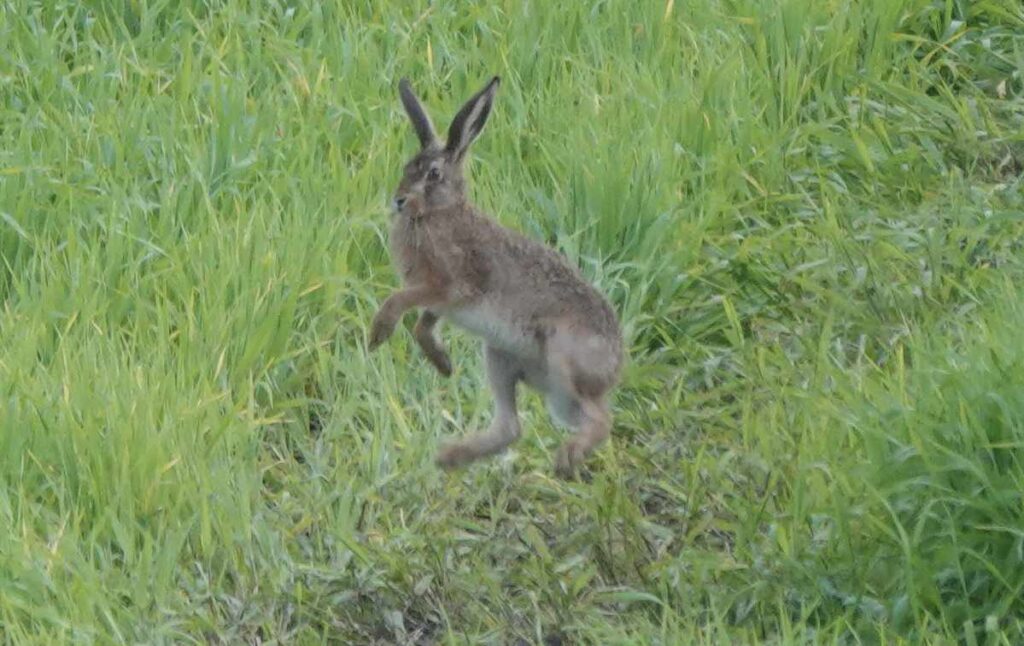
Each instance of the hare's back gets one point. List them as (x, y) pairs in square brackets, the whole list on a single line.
[(522, 286), (559, 289)]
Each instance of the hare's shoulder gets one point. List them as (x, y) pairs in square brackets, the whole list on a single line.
[(500, 243)]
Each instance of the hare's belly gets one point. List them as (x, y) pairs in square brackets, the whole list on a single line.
[(494, 327)]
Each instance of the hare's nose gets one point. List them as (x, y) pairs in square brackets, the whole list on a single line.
[(399, 203)]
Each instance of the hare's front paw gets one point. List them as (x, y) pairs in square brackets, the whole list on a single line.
[(381, 329), (441, 362)]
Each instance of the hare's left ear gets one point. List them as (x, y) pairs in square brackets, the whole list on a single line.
[(470, 120)]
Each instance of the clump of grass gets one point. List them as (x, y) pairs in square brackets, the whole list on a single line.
[(806, 213), (938, 488)]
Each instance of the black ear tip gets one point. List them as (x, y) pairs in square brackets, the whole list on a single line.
[(496, 81)]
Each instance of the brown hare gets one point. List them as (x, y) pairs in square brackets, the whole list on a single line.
[(540, 322)]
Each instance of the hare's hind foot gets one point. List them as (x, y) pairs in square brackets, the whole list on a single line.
[(503, 373), (455, 454), (482, 445)]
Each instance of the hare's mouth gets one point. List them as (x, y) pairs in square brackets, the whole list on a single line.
[(407, 206)]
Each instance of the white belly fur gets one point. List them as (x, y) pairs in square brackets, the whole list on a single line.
[(483, 320)]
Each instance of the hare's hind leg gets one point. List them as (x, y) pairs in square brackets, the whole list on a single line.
[(581, 370), (503, 373), (564, 407), (595, 424)]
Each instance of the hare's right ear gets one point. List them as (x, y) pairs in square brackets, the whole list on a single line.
[(418, 116)]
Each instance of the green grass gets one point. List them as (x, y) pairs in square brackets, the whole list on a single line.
[(808, 214)]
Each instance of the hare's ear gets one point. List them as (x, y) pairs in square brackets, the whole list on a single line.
[(471, 119), (417, 115)]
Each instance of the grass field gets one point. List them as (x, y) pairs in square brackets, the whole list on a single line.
[(808, 214)]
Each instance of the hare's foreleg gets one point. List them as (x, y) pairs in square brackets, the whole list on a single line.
[(424, 334), (503, 373), (398, 304)]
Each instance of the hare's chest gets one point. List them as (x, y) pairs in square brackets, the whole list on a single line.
[(415, 263)]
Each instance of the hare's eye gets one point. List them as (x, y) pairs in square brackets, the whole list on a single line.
[(433, 174)]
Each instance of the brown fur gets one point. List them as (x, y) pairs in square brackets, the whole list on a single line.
[(540, 321)]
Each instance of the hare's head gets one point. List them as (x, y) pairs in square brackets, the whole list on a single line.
[(433, 178)]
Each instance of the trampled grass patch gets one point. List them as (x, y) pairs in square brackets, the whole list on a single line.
[(808, 215)]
